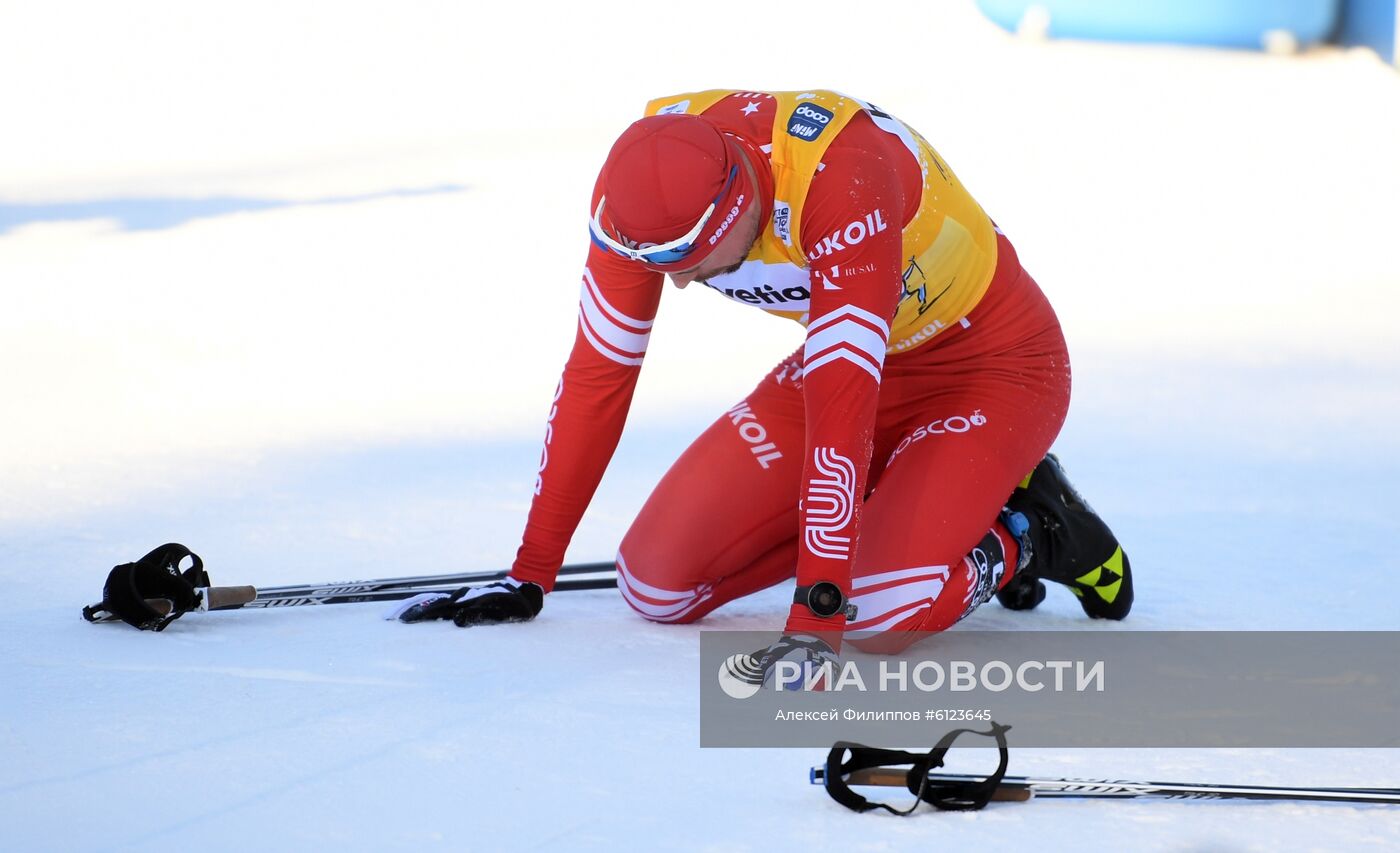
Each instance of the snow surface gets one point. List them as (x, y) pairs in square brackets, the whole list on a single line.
[(261, 276)]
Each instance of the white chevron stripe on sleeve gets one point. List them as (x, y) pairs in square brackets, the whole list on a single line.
[(618, 317), (851, 311), (602, 347), (842, 354), (850, 333), (617, 336), (847, 332)]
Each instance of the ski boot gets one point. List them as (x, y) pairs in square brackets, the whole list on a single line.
[(1063, 540)]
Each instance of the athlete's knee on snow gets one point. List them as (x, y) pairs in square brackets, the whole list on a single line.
[(895, 606), (657, 598), (894, 609), (892, 604)]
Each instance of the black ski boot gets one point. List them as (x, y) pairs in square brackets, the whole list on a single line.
[(1063, 540)]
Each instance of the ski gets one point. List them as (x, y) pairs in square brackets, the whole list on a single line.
[(418, 582), (1116, 789)]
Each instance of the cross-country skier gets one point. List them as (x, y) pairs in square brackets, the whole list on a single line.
[(897, 463)]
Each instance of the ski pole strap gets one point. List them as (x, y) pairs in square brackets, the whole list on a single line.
[(155, 576), (945, 796)]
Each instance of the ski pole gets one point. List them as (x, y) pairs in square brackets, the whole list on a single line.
[(418, 582), (334, 595), (391, 589), (1119, 789)]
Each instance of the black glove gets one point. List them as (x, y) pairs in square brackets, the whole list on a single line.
[(508, 600)]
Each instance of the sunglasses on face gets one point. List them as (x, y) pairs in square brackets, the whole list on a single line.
[(658, 253)]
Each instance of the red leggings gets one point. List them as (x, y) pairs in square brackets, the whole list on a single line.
[(960, 422)]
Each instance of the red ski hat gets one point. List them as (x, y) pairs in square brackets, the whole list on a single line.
[(672, 186)]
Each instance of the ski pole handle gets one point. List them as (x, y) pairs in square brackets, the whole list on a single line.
[(215, 598), (221, 597), (886, 777), (889, 778)]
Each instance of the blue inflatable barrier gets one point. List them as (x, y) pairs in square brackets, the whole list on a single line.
[(1222, 23)]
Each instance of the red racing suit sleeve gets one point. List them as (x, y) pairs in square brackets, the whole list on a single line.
[(617, 304), (851, 231)]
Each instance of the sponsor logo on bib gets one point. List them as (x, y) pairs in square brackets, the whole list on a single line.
[(808, 121)]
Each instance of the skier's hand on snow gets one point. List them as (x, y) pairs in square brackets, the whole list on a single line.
[(508, 600)]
